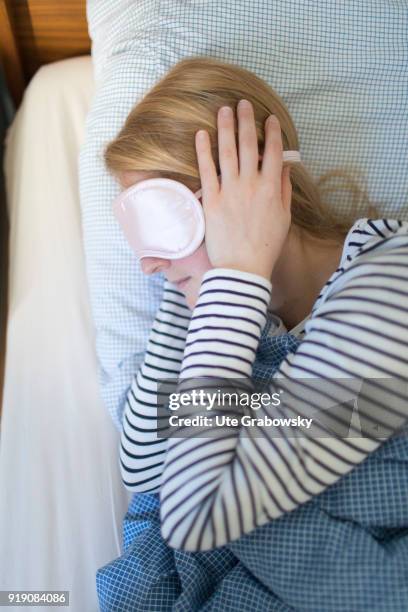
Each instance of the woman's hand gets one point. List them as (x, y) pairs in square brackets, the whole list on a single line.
[(248, 216)]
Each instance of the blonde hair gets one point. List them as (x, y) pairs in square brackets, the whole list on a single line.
[(159, 137)]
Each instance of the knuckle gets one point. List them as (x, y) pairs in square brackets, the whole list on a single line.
[(228, 153), (252, 188), (275, 145), (248, 139)]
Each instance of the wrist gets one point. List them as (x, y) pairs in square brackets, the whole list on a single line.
[(255, 270), (233, 273)]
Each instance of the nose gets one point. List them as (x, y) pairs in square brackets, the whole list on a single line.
[(151, 265)]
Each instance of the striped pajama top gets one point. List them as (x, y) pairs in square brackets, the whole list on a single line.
[(213, 490)]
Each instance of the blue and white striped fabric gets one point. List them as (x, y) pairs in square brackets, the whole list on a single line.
[(345, 550), (341, 68)]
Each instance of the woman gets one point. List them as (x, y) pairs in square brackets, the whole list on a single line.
[(271, 246)]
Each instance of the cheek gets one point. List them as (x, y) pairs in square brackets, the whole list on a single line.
[(197, 263)]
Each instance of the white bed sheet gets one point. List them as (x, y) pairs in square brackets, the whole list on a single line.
[(61, 498)]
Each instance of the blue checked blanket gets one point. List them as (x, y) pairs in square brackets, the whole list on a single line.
[(344, 551)]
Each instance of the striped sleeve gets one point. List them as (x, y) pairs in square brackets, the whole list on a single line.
[(215, 489), (141, 450)]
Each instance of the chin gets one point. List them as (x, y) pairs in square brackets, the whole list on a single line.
[(192, 292)]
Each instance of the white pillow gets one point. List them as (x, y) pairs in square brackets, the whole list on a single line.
[(341, 68)]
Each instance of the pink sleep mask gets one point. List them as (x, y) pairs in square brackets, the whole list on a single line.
[(164, 218), (160, 218)]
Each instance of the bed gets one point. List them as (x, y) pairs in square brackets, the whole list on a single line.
[(61, 502)]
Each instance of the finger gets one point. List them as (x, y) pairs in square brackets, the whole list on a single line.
[(273, 154), (248, 140), (227, 147), (206, 166), (286, 188)]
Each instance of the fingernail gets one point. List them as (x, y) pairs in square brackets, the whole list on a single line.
[(272, 120), (226, 111), (201, 135), (244, 104)]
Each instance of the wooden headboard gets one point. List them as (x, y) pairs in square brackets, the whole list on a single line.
[(37, 32), (33, 33)]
